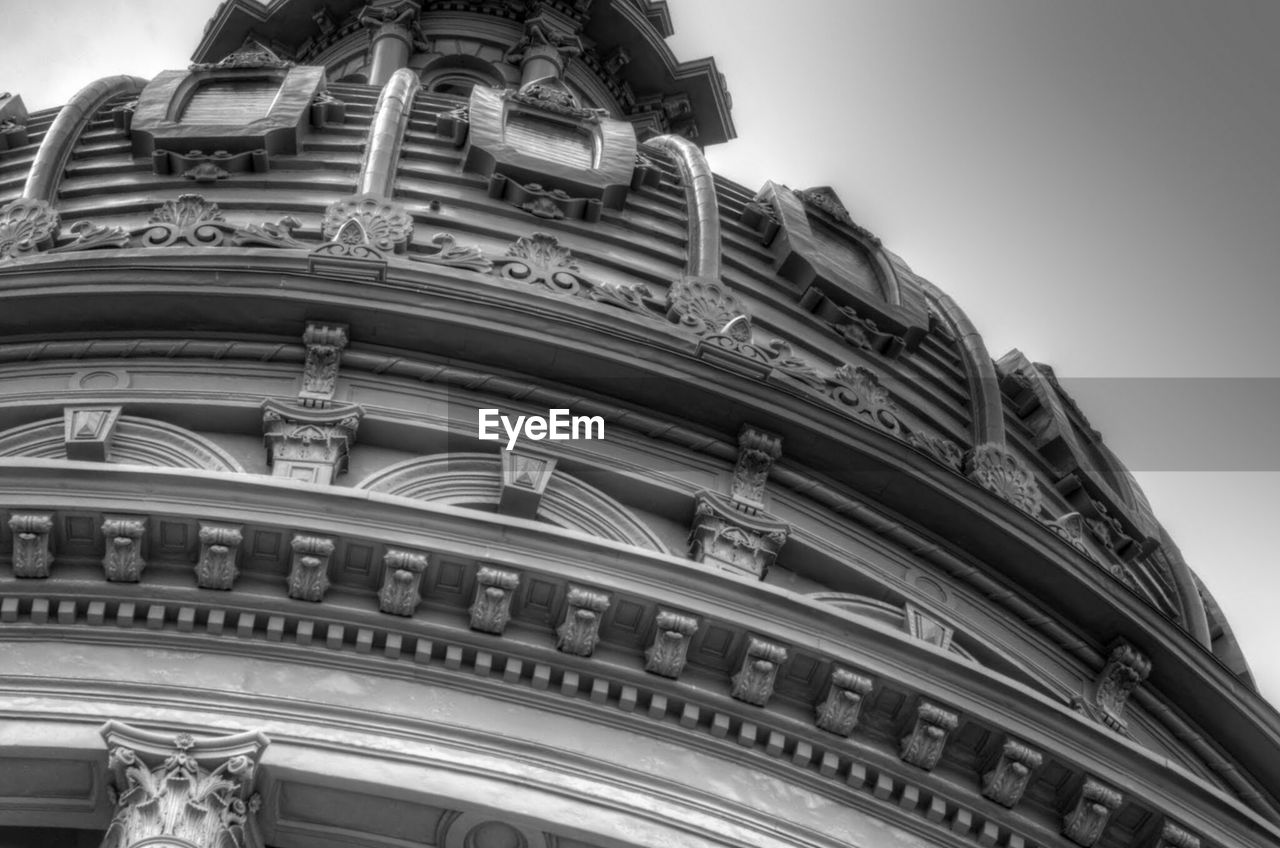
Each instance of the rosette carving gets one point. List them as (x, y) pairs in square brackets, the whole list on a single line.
[(368, 222), (707, 307), (1002, 472)]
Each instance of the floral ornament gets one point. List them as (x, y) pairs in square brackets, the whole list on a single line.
[(370, 222), (26, 227), (707, 307), (190, 217), (541, 259), (999, 470), (860, 389)]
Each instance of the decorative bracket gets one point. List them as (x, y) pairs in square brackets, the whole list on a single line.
[(757, 451), (755, 678), (580, 631), (923, 746), (846, 693), (219, 548), (88, 431), (670, 648), (1126, 668), (32, 554), (309, 445), (734, 536), (1006, 782), (123, 562), (1096, 804), (309, 568), (401, 581), (491, 609), (325, 343)]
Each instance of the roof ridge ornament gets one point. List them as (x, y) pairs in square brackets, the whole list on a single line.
[(252, 54)]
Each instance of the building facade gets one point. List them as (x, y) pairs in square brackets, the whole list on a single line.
[(407, 440)]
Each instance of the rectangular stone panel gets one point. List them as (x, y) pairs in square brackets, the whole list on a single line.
[(331, 812)]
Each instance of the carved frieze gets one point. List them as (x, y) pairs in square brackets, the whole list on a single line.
[(32, 551), (757, 451), (838, 712), (1002, 472), (667, 654), (1084, 823), (735, 536), (219, 550), (401, 581), (27, 227), (309, 567), (580, 631), (923, 746), (325, 343), (1126, 668), (309, 445), (1008, 779), (123, 562), (171, 791), (491, 608), (754, 681)]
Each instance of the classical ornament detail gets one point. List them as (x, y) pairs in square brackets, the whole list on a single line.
[(943, 450), (1175, 836), (454, 124), (1126, 668), (252, 54), (306, 444), (541, 259), (923, 746), (279, 234), (325, 343), (864, 333), (580, 631), (1000, 471), (1070, 528), (190, 217), (26, 227), (1088, 818), (446, 251), (757, 451), (1008, 779), (667, 654), (524, 482), (550, 203), (88, 431), (309, 567), (491, 609), (926, 627), (708, 308), (88, 236), (219, 548), (755, 678), (847, 691), (123, 562), (734, 535), (32, 554), (401, 581), (364, 227), (172, 791), (860, 390), (327, 110), (554, 98), (824, 199), (209, 167)]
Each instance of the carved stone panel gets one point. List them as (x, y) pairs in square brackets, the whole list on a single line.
[(88, 431), (734, 536), (325, 343), (123, 562), (32, 554), (839, 712), (219, 550), (401, 581), (580, 631), (309, 569), (1006, 782), (759, 670), (491, 609), (1097, 802), (171, 791), (757, 451), (923, 746), (667, 654)]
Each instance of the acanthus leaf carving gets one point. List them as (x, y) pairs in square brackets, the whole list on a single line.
[(580, 631), (1001, 472), (32, 554), (753, 684), (279, 234), (1175, 836), (542, 260), (307, 443), (943, 450), (1097, 802), (309, 568), (1008, 779), (219, 548), (839, 711), (189, 217), (1126, 668), (449, 254), (708, 308), (668, 652), (324, 344), (26, 227), (369, 222), (491, 609), (401, 581), (757, 451), (923, 746), (123, 562), (860, 389), (733, 535)]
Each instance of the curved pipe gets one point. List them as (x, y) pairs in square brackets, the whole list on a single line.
[(55, 149), (1188, 592), (386, 133), (700, 199), (984, 386)]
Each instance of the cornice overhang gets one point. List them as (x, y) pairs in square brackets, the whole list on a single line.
[(919, 502), (770, 612), (285, 22)]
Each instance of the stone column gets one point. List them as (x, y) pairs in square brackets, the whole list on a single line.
[(393, 37), (543, 51), (182, 792)]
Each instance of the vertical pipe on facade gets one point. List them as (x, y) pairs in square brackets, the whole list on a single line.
[(55, 149), (984, 387), (386, 133), (700, 199)]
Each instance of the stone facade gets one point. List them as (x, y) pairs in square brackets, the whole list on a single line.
[(808, 568)]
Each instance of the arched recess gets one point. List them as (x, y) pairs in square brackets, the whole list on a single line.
[(136, 441), (475, 480)]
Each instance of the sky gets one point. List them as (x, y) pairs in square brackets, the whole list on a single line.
[(1093, 181)]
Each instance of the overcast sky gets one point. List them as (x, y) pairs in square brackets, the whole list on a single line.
[(1093, 181)]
